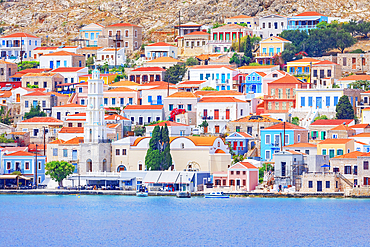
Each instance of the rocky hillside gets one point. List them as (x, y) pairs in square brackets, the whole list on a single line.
[(61, 19)]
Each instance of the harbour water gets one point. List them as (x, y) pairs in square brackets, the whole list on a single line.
[(40, 220)]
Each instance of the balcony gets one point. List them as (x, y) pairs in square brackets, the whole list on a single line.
[(296, 27), (207, 117), (156, 102)]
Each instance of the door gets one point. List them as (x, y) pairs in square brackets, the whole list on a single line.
[(18, 99), (235, 145), (217, 129), (58, 115), (51, 65), (222, 78), (74, 154), (159, 99), (318, 102), (331, 153), (319, 186), (353, 63)]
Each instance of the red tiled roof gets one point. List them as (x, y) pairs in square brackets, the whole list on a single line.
[(32, 147), (148, 69), (63, 53), (356, 78), (120, 89), (72, 130), (190, 83), (67, 69), (143, 107), (305, 60), (197, 33), (160, 87), (218, 93), (239, 16), (245, 134), (285, 125), (20, 153), (57, 141), (165, 60), (123, 25), (45, 48), (301, 145), (210, 66), (335, 141), (325, 62), (287, 79), (74, 141), (220, 99), (37, 93), (310, 13), (183, 95), (359, 126), (19, 35), (169, 123), (351, 155), (71, 105), (115, 117), (342, 127), (78, 114), (247, 165), (161, 44), (42, 120), (335, 122), (361, 135)]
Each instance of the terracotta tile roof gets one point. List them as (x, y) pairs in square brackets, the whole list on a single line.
[(68, 69), (258, 67), (123, 25), (356, 78), (239, 17), (124, 84), (71, 105), (247, 165), (245, 134), (198, 140), (148, 69), (219, 151), (335, 141), (230, 26), (210, 66), (161, 87), (58, 94), (115, 117), (45, 48), (19, 35), (301, 145), (20, 153), (155, 84), (287, 79), (310, 13), (76, 119), (42, 120), (112, 126), (305, 60), (72, 130), (20, 133), (139, 139), (91, 48), (111, 49), (62, 53), (74, 141), (144, 107), (183, 95), (37, 93), (32, 147), (285, 125), (5, 62), (190, 83), (197, 33), (280, 38), (169, 123), (218, 93), (325, 62), (254, 118), (165, 60), (365, 154), (335, 122), (220, 99), (161, 44), (261, 73), (39, 74), (342, 127), (5, 94), (361, 135), (120, 89), (295, 152), (361, 143), (359, 126), (57, 141), (14, 149), (78, 114), (351, 155)]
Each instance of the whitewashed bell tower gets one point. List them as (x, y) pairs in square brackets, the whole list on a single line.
[(95, 128)]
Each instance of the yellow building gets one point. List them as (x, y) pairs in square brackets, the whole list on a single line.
[(335, 147), (301, 68), (269, 48), (108, 78)]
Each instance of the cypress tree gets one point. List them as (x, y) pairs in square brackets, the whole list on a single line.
[(344, 108)]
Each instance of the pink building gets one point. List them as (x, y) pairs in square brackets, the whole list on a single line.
[(241, 176)]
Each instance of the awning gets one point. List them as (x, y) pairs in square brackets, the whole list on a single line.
[(326, 165), (23, 177), (185, 177), (8, 176), (152, 177), (169, 177)]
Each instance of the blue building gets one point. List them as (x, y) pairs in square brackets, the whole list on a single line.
[(306, 21), (25, 162), (239, 142), (253, 82), (273, 136)]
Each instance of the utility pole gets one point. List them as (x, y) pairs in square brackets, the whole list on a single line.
[(36, 168), (44, 141), (179, 24), (21, 51), (284, 136)]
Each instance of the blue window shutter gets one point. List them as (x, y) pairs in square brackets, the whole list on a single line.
[(327, 100)]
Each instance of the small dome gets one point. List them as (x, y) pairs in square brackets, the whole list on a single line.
[(96, 74)]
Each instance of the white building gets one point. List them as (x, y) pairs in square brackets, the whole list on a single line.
[(160, 49), (71, 74), (90, 34), (174, 129), (272, 25), (249, 21), (108, 55), (218, 111), (155, 95), (12, 45), (144, 114), (217, 76), (62, 59), (63, 111)]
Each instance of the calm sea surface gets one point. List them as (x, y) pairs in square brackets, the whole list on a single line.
[(169, 221)]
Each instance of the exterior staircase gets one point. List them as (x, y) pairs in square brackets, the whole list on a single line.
[(71, 98), (345, 180), (311, 115), (251, 153)]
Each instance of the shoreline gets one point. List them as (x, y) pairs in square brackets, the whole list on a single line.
[(196, 194)]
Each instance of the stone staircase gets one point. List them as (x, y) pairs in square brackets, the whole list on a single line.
[(345, 180), (311, 115)]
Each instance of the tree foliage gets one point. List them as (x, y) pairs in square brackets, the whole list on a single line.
[(139, 131), (295, 120), (4, 116), (344, 108), (255, 40), (360, 84), (3, 139), (319, 117), (28, 65), (208, 89), (261, 171), (237, 158), (90, 61), (175, 73), (191, 61), (34, 112), (235, 59), (158, 156), (59, 170)]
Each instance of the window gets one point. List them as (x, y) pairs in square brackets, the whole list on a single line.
[(8, 165), (26, 103), (269, 106), (268, 155), (323, 151), (217, 114), (287, 91), (82, 102), (43, 103), (55, 152), (310, 184), (335, 136), (39, 165), (237, 128), (339, 151), (170, 107), (272, 91), (268, 139), (181, 106), (366, 165), (299, 138), (27, 165), (276, 105), (314, 73), (130, 101), (309, 101), (303, 101), (65, 153), (118, 151), (283, 169), (327, 100), (105, 101), (113, 101), (284, 106), (347, 170), (232, 172), (123, 151), (280, 93), (335, 100), (327, 184)]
